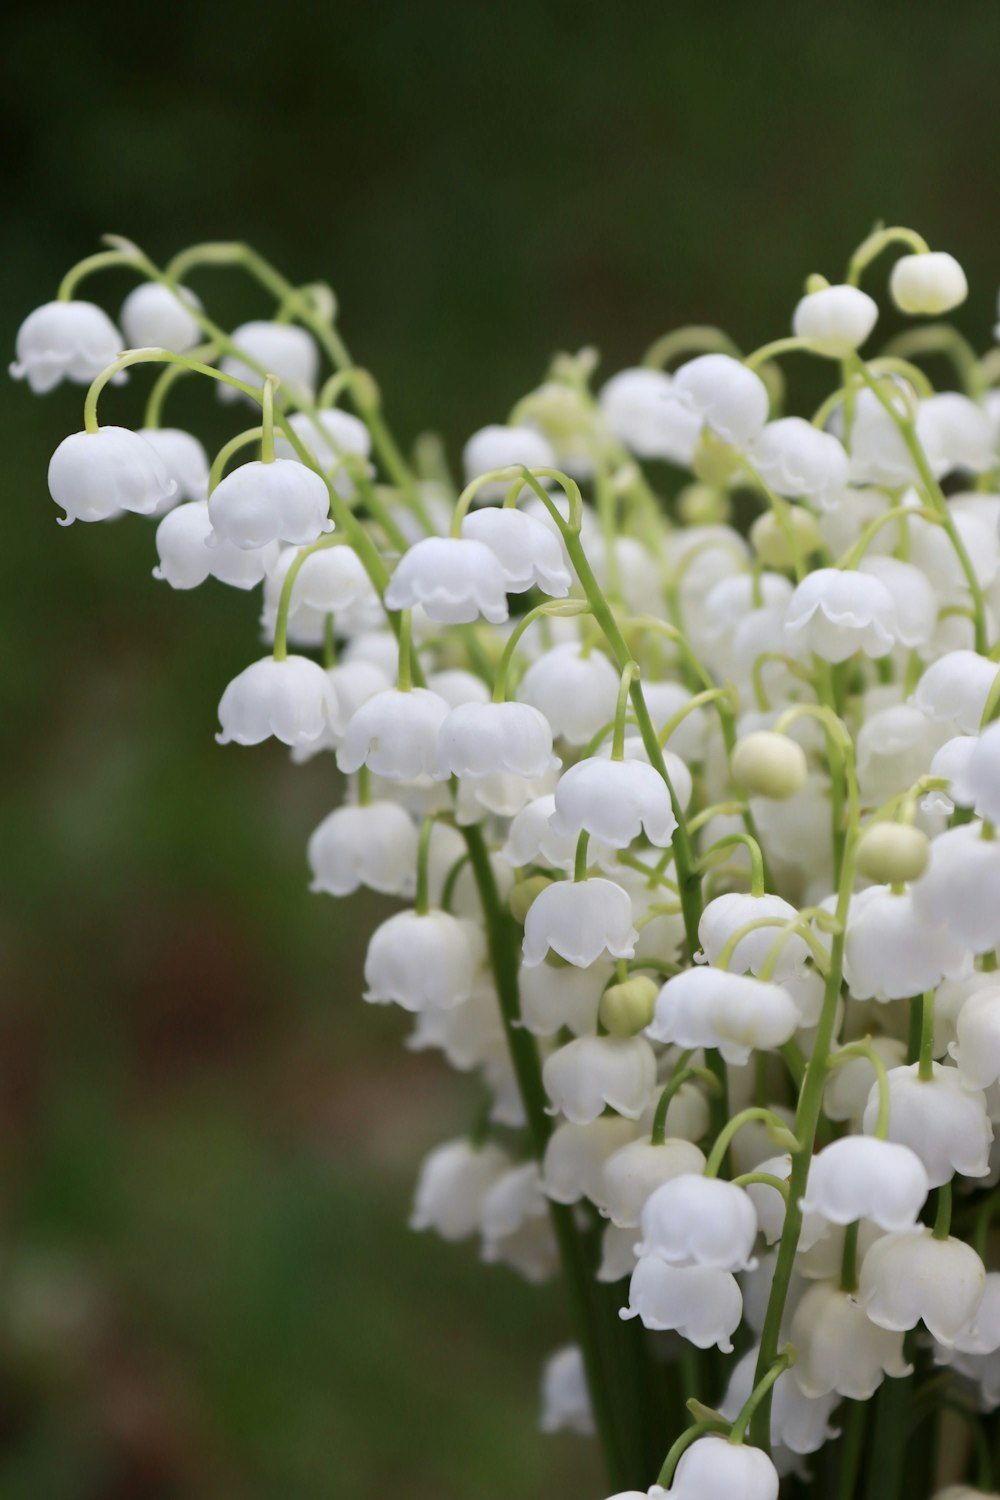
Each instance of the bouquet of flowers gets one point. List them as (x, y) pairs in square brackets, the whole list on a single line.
[(694, 827)]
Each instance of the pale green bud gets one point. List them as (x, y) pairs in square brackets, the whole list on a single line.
[(627, 1008), (769, 764), (770, 540), (703, 505), (891, 853), (523, 894)]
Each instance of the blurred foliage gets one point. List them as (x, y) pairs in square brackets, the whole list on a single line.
[(206, 1285)]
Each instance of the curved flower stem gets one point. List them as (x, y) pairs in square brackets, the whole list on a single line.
[(629, 674), (777, 1130), (695, 338), (880, 239), (691, 1435), (761, 1389), (942, 338), (865, 1049), (757, 881), (288, 584), (228, 451), (683, 1073), (102, 261), (164, 382), (562, 608)]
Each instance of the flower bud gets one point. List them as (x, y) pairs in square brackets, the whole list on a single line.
[(769, 764), (770, 541), (703, 505), (892, 853), (523, 894), (836, 319), (155, 317), (932, 283), (628, 1007)]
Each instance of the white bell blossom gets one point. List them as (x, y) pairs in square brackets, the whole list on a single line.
[(423, 959), (892, 950), (838, 612), (565, 1398), (65, 341), (154, 316), (976, 1048), (714, 1469), (839, 1348), (954, 689), (836, 319), (482, 739), (515, 1226), (97, 475), (977, 784), (723, 917), (292, 700), (282, 349), (262, 502), (186, 462), (395, 734), (728, 397), (704, 1306), (186, 560), (593, 1073), (453, 1181), (579, 920), (498, 447), (575, 1155), (528, 554), (552, 998), (941, 1120), (576, 692), (454, 579), (932, 283), (800, 461), (961, 886), (637, 1169), (332, 437), (907, 1279), (798, 1422), (615, 800), (711, 1008), (692, 1220), (373, 845), (955, 433), (642, 410), (861, 1177)]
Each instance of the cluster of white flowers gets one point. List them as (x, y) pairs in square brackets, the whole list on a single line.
[(695, 826)]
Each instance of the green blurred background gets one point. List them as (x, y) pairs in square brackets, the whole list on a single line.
[(206, 1283)]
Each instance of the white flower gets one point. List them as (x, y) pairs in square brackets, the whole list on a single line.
[(185, 460), (955, 433), (800, 461), (692, 1220), (715, 1469), (798, 1422), (664, 700), (565, 1398), (954, 689), (726, 914), (961, 887), (395, 734), (423, 960), (528, 553), (839, 1348), (879, 454), (944, 1123), (894, 748), (642, 409), (616, 801), (554, 998), (976, 1048), (270, 502), (577, 693), (912, 594), (636, 1170), (497, 447), (373, 845), (453, 1181), (977, 784), (837, 612), (330, 581), (457, 686), (153, 316), (515, 1225), (293, 700), (65, 341), (618, 1258), (281, 349), (711, 1008), (730, 399), (186, 561), (861, 1177), (592, 1073), (97, 475), (892, 950), (455, 580), (704, 1306), (931, 283), (331, 437), (575, 1156), (580, 920), (532, 840), (837, 319), (482, 739), (850, 1083), (909, 1278)]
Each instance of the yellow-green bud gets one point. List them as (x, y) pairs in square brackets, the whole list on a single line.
[(769, 764), (714, 461), (703, 505), (770, 540), (524, 893), (627, 1008), (892, 853)]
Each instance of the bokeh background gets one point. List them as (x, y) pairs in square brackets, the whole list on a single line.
[(207, 1142)]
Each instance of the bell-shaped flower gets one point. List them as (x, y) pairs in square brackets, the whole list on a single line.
[(575, 1156), (715, 1469), (961, 887), (912, 593), (930, 283), (515, 1225), (618, 1257), (499, 447), (642, 410), (708, 1007), (861, 1177), (576, 691), (850, 1083), (725, 915), (261, 502), (186, 561), (799, 1423), (839, 1348), (454, 579), (800, 461), (637, 1170), (692, 1220), (879, 455), (154, 316), (911, 1278), (702, 1305), (185, 460), (594, 1073), (281, 349), (329, 581), (457, 686), (292, 700), (528, 554), (64, 341), (454, 1179), (395, 734), (729, 398), (423, 959), (373, 845), (891, 950), (565, 1397), (579, 920), (895, 747), (484, 739), (690, 736), (837, 612), (977, 784), (553, 998), (953, 690), (942, 1122), (532, 840), (332, 437), (470, 1035), (955, 433), (976, 1048), (97, 475), (836, 319), (615, 801)]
